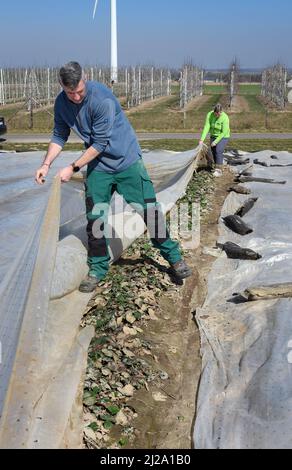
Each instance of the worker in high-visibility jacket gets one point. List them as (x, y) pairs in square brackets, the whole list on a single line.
[(217, 124)]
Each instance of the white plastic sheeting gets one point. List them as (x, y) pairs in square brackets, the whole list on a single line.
[(245, 394), (43, 351)]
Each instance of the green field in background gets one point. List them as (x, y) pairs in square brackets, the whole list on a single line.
[(214, 89), (165, 115), (250, 89)]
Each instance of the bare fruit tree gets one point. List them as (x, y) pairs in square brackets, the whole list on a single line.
[(233, 81), (191, 84), (274, 85), (39, 86), (139, 84)]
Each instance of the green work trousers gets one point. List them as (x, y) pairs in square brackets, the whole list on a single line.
[(136, 187)]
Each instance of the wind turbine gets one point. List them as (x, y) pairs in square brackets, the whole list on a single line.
[(114, 41)]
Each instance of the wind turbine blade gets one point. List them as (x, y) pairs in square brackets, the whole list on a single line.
[(94, 10)]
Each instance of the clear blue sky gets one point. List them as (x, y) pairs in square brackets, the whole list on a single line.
[(162, 32)]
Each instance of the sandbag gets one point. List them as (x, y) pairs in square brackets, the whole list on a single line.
[(250, 179), (235, 251), (236, 224), (247, 206), (237, 188), (272, 291)]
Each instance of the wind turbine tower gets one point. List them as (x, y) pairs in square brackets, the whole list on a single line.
[(114, 39)]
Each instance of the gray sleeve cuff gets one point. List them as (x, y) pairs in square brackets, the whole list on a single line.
[(98, 147), (58, 140)]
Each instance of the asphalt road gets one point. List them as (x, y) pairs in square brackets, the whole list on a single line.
[(44, 138)]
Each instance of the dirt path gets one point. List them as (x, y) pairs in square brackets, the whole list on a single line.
[(165, 412), (239, 104), (149, 105), (197, 102)]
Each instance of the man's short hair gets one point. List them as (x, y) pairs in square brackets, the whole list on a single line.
[(218, 108), (71, 74)]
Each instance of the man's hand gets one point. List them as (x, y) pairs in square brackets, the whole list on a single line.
[(66, 174), (41, 174), (213, 144), (201, 142)]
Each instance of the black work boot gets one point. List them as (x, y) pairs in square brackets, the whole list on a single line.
[(180, 269), (89, 284)]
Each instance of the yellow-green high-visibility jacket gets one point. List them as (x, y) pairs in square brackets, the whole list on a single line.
[(217, 126)]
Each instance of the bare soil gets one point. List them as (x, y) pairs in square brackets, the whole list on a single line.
[(239, 104), (148, 105), (197, 102)]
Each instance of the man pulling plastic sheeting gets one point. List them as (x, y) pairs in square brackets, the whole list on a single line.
[(114, 162)]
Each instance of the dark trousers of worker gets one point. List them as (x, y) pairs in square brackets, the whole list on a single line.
[(135, 185), (217, 150)]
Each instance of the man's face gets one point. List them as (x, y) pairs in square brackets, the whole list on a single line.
[(78, 94), (218, 114)]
